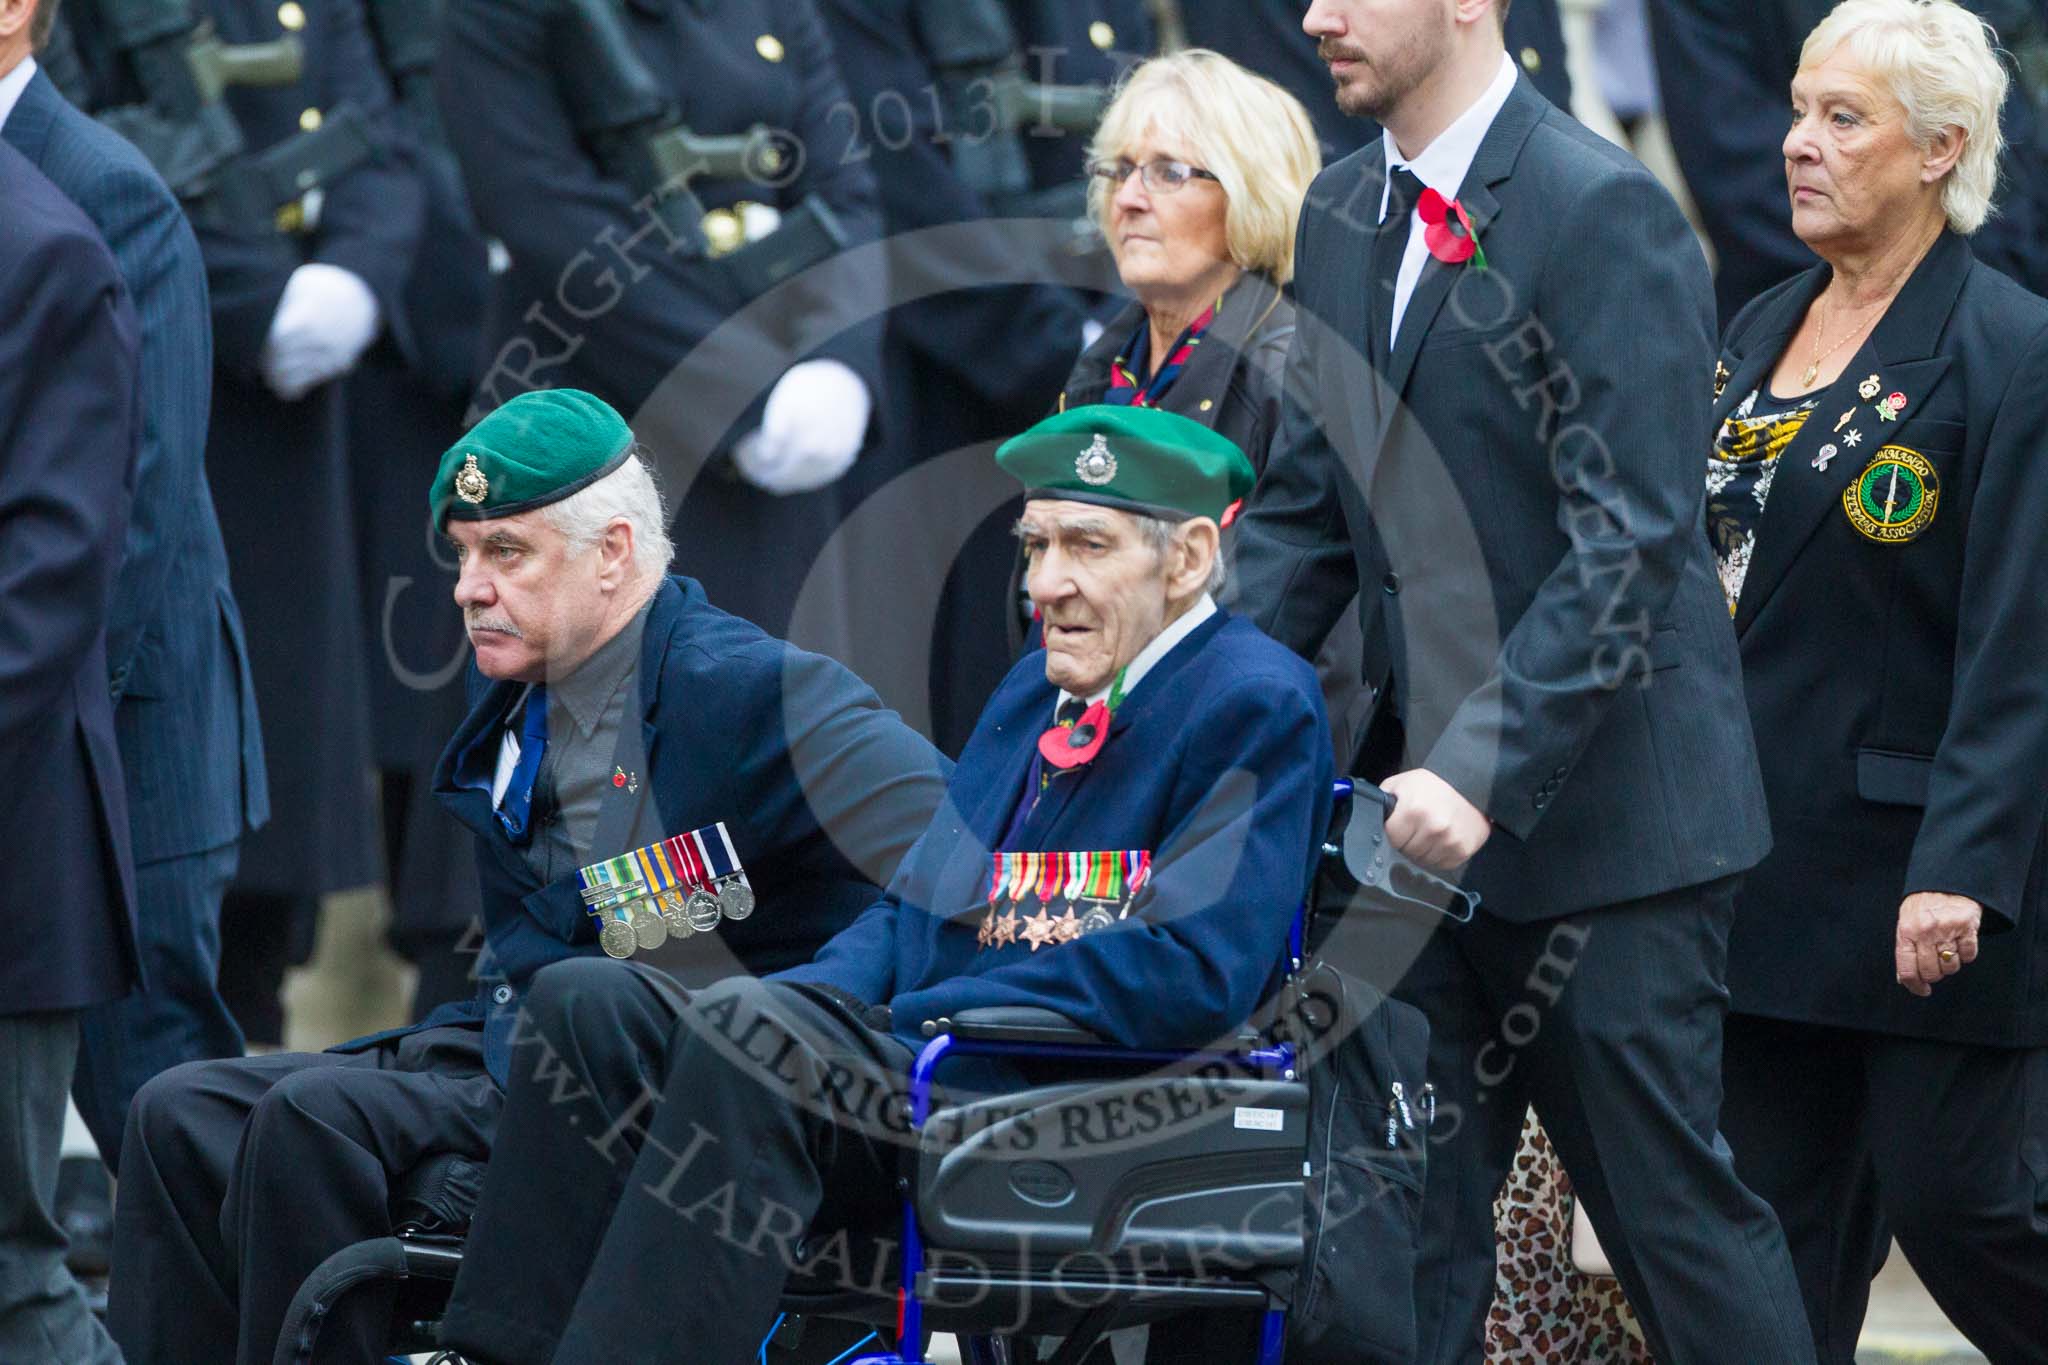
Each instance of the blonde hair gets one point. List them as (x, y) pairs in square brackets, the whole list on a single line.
[(1254, 137), (1941, 63)]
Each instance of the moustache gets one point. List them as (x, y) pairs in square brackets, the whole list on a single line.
[(497, 624), (1328, 51)]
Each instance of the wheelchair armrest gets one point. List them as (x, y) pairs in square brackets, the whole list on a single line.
[(1014, 1024)]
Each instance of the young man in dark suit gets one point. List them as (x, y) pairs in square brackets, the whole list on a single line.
[(612, 706), (184, 709), (68, 430), (1500, 443)]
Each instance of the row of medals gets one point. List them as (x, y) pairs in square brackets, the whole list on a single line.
[(1001, 928), (651, 918)]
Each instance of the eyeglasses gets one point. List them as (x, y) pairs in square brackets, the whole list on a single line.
[(1162, 174)]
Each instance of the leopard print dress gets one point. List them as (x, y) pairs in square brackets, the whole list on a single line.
[(1545, 1311)]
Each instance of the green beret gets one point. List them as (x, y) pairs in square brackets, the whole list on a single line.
[(537, 449), (1139, 459)]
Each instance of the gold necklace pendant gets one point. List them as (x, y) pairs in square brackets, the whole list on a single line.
[(1812, 373)]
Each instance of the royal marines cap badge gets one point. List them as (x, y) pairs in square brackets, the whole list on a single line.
[(470, 484), (1893, 500), (1096, 465)]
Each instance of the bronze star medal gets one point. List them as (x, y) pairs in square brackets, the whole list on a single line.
[(1005, 930), (1066, 928), (470, 484), (1040, 930)]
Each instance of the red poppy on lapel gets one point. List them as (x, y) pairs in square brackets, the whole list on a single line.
[(1071, 746), (1443, 237)]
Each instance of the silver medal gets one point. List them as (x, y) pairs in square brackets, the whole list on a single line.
[(679, 925), (702, 911), (650, 931), (616, 938), (736, 899), (1096, 920)]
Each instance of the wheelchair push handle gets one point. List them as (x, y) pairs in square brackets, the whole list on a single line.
[(1373, 861)]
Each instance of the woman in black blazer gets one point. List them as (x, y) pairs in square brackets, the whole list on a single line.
[(1877, 494)]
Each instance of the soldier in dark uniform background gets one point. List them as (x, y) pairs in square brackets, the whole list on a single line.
[(403, 411), (1266, 36), (612, 292), (292, 312), (295, 305), (965, 367)]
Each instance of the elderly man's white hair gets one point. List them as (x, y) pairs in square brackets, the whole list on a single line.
[(627, 492), (1158, 533), (1940, 62)]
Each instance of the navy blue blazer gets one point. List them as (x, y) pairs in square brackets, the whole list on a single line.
[(1897, 689), (1514, 491), (594, 297), (820, 787), (69, 424), (185, 708), (1218, 764)]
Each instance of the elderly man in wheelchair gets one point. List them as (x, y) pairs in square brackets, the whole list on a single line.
[(1033, 1050)]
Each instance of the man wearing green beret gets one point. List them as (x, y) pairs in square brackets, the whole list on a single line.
[(1124, 841), (761, 792)]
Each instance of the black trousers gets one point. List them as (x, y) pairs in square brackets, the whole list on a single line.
[(1856, 1138), (665, 1161), (239, 1177), (1609, 1023)]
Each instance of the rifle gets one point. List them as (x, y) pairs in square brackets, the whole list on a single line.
[(640, 140), (183, 124), (975, 52)]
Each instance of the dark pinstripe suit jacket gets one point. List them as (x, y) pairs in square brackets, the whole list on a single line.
[(185, 711)]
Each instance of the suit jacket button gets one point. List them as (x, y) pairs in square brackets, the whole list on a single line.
[(1542, 800), (1392, 583), (1559, 774), (502, 996)]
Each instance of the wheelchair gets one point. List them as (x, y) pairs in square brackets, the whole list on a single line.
[(1003, 1242)]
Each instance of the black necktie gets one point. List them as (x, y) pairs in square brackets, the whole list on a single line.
[(1403, 190), (1070, 712)]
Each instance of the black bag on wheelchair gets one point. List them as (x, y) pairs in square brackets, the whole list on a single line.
[(1369, 1116)]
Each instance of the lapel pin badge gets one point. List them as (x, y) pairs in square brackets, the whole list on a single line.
[(1826, 453), (1868, 388), (1893, 404)]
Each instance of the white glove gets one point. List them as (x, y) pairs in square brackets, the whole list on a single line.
[(816, 417), (326, 320)]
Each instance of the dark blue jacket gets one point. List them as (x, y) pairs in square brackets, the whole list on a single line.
[(69, 425), (821, 789), (1218, 764), (185, 708), (594, 297), (1897, 690)]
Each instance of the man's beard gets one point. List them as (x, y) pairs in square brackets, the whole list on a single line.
[(1391, 79)]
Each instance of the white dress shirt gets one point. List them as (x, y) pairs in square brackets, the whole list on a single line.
[(1440, 166), (12, 84)]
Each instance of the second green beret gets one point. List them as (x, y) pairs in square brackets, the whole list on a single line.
[(1138, 459)]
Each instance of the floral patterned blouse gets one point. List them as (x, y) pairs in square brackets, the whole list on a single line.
[(1739, 473)]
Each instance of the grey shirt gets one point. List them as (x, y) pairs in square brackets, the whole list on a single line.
[(584, 756)]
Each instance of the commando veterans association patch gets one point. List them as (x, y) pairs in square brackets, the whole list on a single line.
[(1893, 500)]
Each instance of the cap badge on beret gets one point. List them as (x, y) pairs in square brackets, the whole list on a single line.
[(1096, 466), (470, 484)]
